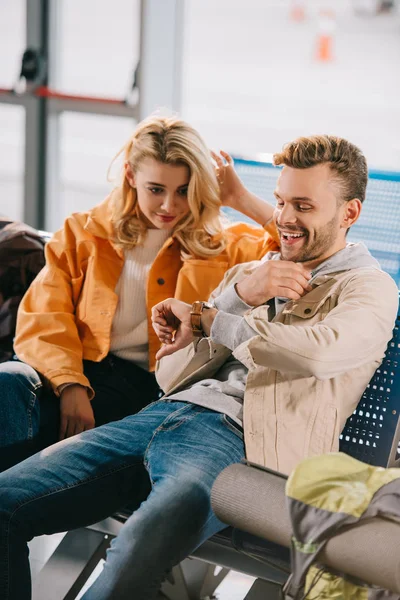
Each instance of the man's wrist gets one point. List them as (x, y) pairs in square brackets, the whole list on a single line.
[(207, 319), (230, 302), (253, 299), (244, 294)]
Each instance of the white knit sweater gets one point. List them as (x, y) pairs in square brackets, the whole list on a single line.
[(129, 334)]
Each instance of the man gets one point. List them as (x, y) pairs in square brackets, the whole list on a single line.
[(293, 339), (304, 328)]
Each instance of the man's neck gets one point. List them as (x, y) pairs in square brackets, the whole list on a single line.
[(313, 264)]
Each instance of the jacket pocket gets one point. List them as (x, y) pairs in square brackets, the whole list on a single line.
[(308, 310)]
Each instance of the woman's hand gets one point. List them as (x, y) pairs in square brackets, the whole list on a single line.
[(235, 195), (230, 184), (171, 321), (76, 413)]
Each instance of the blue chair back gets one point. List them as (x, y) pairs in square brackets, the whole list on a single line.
[(372, 432)]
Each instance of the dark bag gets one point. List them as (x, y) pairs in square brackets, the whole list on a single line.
[(21, 259)]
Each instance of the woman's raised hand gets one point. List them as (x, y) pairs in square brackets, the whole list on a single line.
[(236, 195), (230, 184)]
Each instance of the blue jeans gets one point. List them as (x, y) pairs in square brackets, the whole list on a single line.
[(29, 412), (86, 478)]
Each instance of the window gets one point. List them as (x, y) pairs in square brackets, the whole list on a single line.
[(12, 147), (88, 143), (12, 40), (98, 46), (254, 79)]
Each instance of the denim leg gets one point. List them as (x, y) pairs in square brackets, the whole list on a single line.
[(20, 386), (186, 454), (85, 478), (74, 483), (30, 413), (122, 388)]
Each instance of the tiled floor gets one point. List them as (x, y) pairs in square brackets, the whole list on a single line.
[(234, 587)]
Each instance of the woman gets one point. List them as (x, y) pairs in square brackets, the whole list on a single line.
[(84, 339)]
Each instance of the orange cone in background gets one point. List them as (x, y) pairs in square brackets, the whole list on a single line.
[(325, 38), (297, 11)]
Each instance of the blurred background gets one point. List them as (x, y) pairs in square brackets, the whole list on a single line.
[(249, 75)]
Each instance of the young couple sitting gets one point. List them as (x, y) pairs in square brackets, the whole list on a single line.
[(270, 369)]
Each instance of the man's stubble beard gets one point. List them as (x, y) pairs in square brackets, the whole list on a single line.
[(326, 238)]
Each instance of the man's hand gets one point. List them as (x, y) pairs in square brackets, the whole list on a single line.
[(76, 411), (281, 278), (171, 322)]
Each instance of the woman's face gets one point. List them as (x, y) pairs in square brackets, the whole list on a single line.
[(161, 192)]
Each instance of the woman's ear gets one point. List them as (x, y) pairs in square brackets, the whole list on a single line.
[(129, 175)]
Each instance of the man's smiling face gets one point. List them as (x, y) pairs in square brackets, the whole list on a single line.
[(308, 214)]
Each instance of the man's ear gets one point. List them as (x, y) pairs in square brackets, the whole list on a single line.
[(130, 175), (351, 212)]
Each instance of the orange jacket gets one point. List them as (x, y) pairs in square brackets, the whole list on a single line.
[(67, 313)]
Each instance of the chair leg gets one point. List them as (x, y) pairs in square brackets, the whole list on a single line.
[(71, 565), (78, 554), (260, 590), (192, 580), (212, 581), (174, 587)]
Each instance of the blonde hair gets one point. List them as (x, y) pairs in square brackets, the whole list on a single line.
[(346, 161), (171, 141)]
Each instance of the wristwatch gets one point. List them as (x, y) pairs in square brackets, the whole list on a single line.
[(195, 317)]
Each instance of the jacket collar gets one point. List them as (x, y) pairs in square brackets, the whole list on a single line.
[(99, 220)]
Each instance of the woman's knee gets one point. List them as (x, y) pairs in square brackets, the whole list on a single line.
[(19, 406), (16, 375)]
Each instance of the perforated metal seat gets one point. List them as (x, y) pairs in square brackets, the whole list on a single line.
[(372, 433)]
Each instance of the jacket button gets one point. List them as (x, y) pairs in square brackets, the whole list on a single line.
[(160, 281), (307, 311)]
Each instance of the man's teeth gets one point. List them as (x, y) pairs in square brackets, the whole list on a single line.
[(293, 235)]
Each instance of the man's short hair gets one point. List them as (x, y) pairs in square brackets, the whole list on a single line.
[(345, 160)]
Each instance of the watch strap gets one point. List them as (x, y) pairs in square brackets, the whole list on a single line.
[(195, 317)]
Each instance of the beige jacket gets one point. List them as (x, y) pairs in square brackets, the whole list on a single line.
[(307, 368)]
